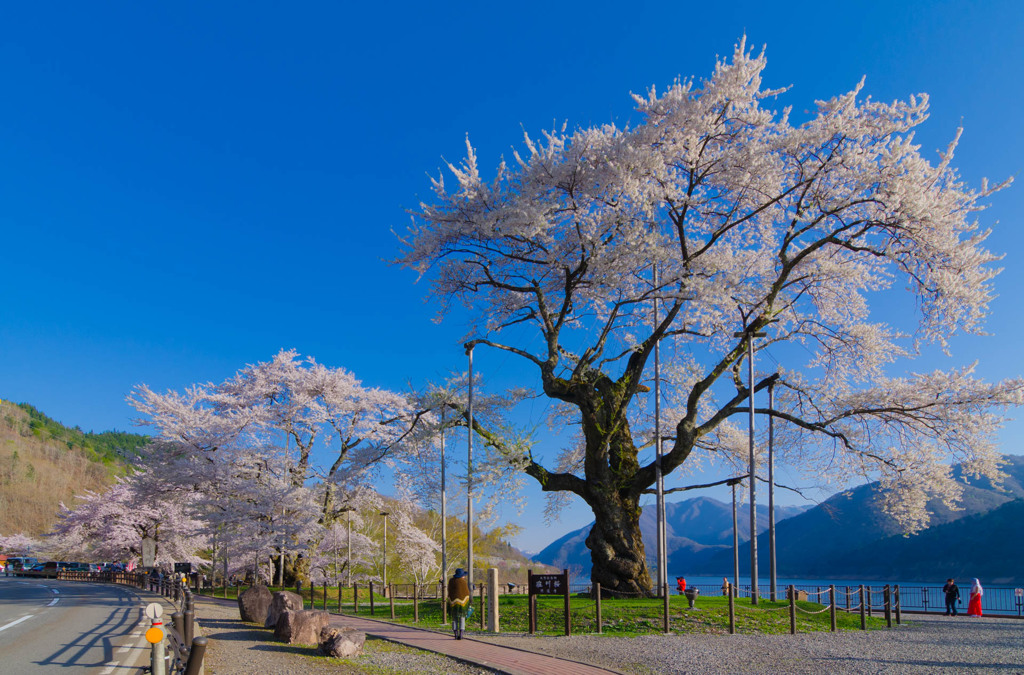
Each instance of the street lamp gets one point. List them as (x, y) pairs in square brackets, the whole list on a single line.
[(749, 335), (385, 579)]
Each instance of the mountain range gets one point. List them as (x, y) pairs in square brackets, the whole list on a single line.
[(846, 536)]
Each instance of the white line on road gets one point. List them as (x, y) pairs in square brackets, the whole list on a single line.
[(110, 668), (16, 622), (125, 648), (55, 590), (53, 602)]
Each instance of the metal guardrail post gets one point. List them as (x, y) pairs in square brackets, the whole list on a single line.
[(157, 664), (189, 618), (195, 656)]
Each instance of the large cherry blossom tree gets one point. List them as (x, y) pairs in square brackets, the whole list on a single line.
[(714, 216)]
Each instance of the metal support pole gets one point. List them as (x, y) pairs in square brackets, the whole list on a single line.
[(749, 336), (469, 476), (735, 546), (772, 576), (863, 619), (658, 475), (665, 625), (384, 579), (157, 665), (597, 597), (444, 506), (732, 611)]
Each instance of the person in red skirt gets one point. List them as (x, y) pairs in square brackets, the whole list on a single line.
[(974, 604)]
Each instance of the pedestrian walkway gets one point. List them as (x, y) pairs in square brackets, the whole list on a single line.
[(503, 659)]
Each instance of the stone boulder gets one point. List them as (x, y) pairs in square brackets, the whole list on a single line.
[(282, 601), (341, 643), (254, 603), (301, 626)]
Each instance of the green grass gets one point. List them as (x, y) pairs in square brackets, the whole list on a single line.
[(619, 617)]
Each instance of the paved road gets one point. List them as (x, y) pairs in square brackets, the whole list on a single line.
[(49, 626)]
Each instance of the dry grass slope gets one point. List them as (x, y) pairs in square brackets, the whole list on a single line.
[(39, 471)]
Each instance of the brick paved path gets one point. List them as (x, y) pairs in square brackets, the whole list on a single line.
[(503, 659)]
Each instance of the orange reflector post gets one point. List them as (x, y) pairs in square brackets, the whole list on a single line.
[(154, 635)]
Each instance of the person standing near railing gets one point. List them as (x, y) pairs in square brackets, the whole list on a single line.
[(974, 603), (952, 592)]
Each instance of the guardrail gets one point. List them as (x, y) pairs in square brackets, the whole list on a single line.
[(185, 656)]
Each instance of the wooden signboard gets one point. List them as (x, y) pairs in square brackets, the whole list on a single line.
[(547, 584)]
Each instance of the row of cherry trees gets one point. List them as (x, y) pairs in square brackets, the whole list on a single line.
[(277, 460)]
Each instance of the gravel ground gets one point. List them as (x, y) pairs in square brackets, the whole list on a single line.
[(923, 645), (238, 648)]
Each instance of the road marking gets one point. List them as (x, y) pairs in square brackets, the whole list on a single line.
[(55, 591), (124, 649), (53, 602), (110, 668), (16, 622)]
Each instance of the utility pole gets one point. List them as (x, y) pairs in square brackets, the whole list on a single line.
[(659, 477), (735, 543), (469, 476), (772, 577), (749, 336), (444, 506)]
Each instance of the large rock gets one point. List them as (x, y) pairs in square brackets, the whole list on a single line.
[(282, 602), (341, 643), (254, 603), (301, 627)]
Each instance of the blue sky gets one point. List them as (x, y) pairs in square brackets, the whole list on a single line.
[(188, 188)]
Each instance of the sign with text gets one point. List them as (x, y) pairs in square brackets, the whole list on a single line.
[(183, 567), (547, 584)]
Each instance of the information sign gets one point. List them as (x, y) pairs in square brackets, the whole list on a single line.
[(547, 584)]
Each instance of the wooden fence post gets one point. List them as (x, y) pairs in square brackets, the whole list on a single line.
[(887, 600), (391, 598), (896, 593), (732, 611), (665, 618), (355, 597), (481, 604), (867, 591), (792, 609), (339, 597), (531, 606), (565, 580), (371, 598), (863, 621), (597, 590), (847, 598), (832, 606), (415, 603)]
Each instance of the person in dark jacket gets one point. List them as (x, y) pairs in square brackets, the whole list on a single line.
[(952, 596), (459, 599)]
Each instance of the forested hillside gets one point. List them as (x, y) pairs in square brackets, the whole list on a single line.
[(44, 463)]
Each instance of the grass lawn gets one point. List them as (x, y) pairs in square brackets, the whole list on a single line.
[(621, 617)]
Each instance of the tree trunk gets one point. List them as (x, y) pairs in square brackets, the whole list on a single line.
[(617, 548)]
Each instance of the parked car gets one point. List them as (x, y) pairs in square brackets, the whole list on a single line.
[(51, 568), (18, 564), (33, 571)]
